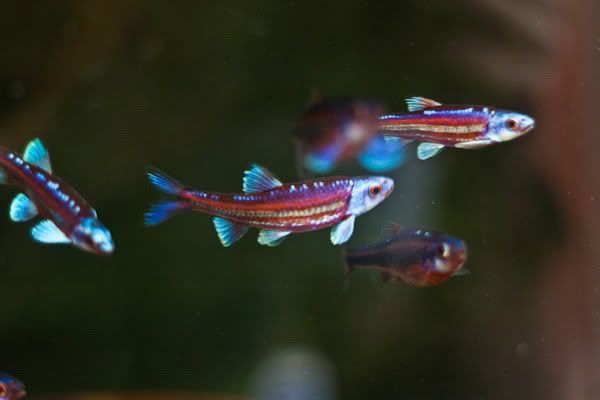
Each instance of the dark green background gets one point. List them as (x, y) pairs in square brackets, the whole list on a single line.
[(201, 90)]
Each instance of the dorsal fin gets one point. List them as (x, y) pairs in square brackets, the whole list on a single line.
[(36, 154), (259, 179), (420, 103)]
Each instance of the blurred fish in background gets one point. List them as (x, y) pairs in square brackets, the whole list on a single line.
[(295, 374), (331, 131)]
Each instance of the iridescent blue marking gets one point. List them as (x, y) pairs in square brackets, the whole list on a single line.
[(40, 176), (11, 156)]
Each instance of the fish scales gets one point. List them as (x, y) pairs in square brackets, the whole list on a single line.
[(301, 206)]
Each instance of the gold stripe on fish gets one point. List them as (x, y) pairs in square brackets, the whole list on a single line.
[(461, 129), (283, 213)]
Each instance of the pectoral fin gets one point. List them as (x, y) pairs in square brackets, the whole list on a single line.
[(47, 232), (342, 231)]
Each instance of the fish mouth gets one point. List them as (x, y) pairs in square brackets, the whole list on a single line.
[(527, 125)]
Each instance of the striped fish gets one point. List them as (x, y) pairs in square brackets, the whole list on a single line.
[(275, 208), (68, 218), (466, 127)]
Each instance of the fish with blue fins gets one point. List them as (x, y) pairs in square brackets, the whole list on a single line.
[(331, 131), (67, 217), (275, 208), (438, 126)]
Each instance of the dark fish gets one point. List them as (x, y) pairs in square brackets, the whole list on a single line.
[(334, 130), (418, 257), (11, 388)]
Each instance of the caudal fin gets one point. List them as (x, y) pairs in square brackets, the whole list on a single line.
[(163, 182), (160, 212)]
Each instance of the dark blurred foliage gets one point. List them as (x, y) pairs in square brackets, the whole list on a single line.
[(202, 89)]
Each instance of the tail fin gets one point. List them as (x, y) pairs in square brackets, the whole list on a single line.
[(163, 182), (160, 212)]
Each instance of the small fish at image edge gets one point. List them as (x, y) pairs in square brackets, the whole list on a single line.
[(68, 218), (11, 388)]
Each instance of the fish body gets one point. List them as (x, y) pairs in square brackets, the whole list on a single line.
[(11, 388), (461, 126), (416, 256), (334, 130), (68, 218), (275, 208)]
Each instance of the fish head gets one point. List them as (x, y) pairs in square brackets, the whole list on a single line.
[(90, 235), (507, 125), (448, 254), (11, 388), (367, 192)]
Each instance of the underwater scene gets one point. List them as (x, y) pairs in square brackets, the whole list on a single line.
[(303, 200)]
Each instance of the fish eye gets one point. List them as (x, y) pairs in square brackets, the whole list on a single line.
[(512, 124), (375, 190)]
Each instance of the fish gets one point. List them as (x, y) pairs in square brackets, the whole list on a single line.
[(67, 217), (331, 131), (276, 209), (438, 126), (11, 388), (417, 256)]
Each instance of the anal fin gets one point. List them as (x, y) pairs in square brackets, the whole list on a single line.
[(271, 238), (428, 150)]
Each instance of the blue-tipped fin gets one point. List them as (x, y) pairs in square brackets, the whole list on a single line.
[(47, 232), (383, 155), (342, 232), (22, 209), (271, 238), (259, 179), (36, 154), (420, 103), (160, 212), (163, 182), (428, 150), (229, 232), (324, 160)]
